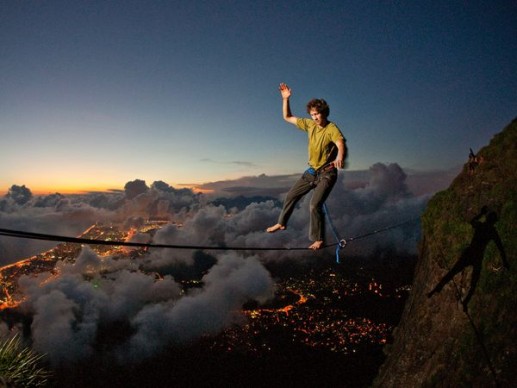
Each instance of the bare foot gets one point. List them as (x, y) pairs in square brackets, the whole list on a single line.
[(274, 228), (316, 245)]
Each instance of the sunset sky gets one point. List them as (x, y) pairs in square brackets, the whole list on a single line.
[(97, 93)]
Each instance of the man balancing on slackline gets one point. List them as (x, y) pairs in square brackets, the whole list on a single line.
[(327, 152)]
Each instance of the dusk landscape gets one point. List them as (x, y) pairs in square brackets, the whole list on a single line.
[(155, 128)]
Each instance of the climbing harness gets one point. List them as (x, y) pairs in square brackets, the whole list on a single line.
[(323, 169)]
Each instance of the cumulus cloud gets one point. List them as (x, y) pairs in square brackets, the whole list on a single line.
[(77, 303), (66, 217), (135, 188), (359, 202), (71, 307), (72, 215), (228, 285), (383, 200), (19, 194)]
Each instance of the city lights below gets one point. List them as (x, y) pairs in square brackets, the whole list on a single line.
[(320, 309)]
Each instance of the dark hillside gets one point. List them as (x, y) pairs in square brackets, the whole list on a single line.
[(459, 325)]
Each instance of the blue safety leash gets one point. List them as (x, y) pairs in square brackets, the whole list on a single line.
[(341, 243)]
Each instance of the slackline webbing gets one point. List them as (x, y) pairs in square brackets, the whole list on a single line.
[(79, 240)]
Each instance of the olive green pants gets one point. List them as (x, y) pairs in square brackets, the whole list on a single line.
[(322, 184)]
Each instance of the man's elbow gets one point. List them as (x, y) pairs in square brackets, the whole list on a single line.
[(290, 119)]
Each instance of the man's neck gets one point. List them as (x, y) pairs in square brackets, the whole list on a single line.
[(323, 124)]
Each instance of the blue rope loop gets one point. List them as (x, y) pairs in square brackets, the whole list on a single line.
[(341, 243)]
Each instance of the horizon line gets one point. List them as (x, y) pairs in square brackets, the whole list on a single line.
[(196, 187)]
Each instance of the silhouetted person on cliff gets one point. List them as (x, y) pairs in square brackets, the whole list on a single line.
[(473, 162), (484, 232)]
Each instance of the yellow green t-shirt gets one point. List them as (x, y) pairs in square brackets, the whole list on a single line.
[(321, 140)]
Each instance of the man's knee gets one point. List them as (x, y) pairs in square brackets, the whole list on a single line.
[(316, 207)]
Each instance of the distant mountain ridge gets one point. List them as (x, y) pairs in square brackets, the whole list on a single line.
[(444, 339)]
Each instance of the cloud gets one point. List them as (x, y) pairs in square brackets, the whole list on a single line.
[(63, 217), (228, 285), (134, 188), (252, 185), (71, 307), (236, 162), (84, 301), (360, 202), (19, 194), (419, 183), (72, 215), (56, 330), (382, 199)]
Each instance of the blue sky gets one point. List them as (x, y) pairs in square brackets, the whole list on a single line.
[(96, 93)]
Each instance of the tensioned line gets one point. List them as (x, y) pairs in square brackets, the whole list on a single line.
[(79, 240)]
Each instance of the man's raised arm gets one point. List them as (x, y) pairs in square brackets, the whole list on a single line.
[(285, 91)]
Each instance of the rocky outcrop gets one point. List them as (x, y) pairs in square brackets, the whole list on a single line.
[(459, 325)]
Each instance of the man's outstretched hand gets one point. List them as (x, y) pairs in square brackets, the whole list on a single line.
[(285, 91)]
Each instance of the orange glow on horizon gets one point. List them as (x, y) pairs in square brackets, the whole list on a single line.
[(61, 190), (198, 190), (70, 190)]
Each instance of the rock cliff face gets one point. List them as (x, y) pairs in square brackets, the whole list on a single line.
[(459, 325)]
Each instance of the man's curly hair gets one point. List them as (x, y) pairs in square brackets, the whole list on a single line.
[(320, 105)]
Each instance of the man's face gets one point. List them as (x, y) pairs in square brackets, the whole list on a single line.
[(318, 117)]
